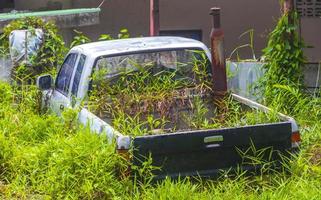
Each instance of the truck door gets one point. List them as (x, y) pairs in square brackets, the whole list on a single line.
[(60, 98), (77, 78)]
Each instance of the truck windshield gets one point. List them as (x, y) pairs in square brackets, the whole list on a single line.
[(183, 63)]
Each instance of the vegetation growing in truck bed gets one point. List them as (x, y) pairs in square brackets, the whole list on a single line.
[(145, 102)]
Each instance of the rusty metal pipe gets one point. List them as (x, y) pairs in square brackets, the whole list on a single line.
[(288, 6), (218, 57), (154, 18)]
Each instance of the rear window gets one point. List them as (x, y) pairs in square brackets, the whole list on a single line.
[(180, 62)]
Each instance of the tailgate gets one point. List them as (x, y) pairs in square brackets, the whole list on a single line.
[(205, 153)]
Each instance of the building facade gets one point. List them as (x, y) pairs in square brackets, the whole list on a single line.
[(188, 18)]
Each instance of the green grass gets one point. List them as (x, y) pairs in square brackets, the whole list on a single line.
[(45, 157)]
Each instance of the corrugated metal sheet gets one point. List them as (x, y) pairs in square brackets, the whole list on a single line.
[(62, 18), (11, 16)]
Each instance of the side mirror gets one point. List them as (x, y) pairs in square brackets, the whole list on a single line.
[(44, 82)]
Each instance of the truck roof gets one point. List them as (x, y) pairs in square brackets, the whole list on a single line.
[(138, 44)]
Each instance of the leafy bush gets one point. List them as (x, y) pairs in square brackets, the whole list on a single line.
[(50, 55), (80, 38), (42, 157), (284, 57), (6, 93)]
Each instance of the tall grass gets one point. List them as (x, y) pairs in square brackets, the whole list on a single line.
[(41, 157)]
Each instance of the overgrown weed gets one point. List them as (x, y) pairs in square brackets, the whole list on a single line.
[(43, 156), (151, 100)]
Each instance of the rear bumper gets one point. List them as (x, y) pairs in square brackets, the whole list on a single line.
[(278, 163)]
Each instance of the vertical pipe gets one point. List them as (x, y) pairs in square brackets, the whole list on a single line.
[(218, 58), (154, 18), (288, 6)]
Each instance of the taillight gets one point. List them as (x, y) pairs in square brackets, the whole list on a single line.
[(123, 146), (125, 172), (124, 153), (295, 139)]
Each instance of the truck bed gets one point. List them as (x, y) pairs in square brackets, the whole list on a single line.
[(182, 149), (210, 153), (206, 153), (192, 113)]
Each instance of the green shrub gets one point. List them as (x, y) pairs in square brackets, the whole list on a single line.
[(50, 55), (42, 157), (284, 59), (6, 93)]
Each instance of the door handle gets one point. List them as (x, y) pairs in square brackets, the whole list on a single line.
[(62, 107), (213, 141)]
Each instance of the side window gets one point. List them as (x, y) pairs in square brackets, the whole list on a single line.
[(65, 73), (78, 73)]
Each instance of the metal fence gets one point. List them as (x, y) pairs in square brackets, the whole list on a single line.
[(244, 75)]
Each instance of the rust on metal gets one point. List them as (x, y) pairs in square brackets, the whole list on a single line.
[(219, 50), (288, 6), (218, 58), (154, 17), (126, 171)]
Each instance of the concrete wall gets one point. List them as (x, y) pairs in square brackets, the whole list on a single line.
[(43, 5), (311, 33), (238, 16), (118, 14), (39, 4)]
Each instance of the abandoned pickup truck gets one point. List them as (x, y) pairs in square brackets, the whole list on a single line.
[(178, 148)]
